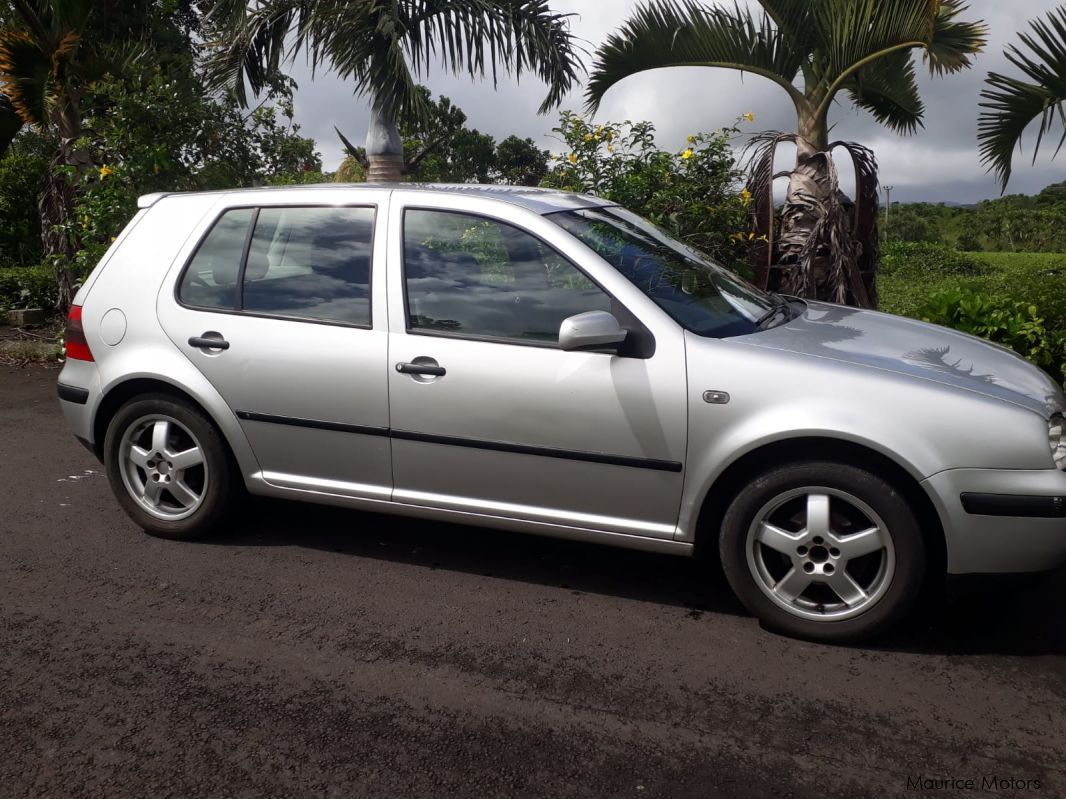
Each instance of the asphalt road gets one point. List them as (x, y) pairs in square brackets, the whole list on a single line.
[(319, 652)]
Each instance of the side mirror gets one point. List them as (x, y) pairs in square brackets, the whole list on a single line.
[(593, 330)]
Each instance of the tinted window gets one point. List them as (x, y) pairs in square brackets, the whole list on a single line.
[(211, 279), (312, 263), (699, 294), (472, 275)]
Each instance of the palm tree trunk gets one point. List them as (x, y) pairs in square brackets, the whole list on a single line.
[(816, 244), (56, 203), (384, 148)]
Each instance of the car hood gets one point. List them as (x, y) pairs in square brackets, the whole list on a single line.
[(913, 348)]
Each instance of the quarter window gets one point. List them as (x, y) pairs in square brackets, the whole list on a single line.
[(475, 276)]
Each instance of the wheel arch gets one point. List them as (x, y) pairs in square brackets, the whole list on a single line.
[(795, 450), (122, 392)]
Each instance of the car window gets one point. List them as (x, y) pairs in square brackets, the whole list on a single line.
[(471, 275), (698, 293), (311, 263), (210, 281)]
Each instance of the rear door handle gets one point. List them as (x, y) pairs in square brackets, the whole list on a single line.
[(209, 342), (429, 370)]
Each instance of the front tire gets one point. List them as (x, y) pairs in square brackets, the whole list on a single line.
[(823, 551), (168, 467)]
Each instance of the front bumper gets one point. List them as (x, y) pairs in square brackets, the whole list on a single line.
[(1001, 521)]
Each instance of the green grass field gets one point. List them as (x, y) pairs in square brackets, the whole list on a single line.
[(1036, 278)]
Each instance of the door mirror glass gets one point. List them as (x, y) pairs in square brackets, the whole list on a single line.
[(593, 330)]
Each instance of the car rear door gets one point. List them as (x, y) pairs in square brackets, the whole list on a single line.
[(488, 414), (281, 307)]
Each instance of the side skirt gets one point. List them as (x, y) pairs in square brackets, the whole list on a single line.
[(258, 485)]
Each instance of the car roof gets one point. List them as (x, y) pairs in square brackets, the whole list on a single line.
[(539, 200)]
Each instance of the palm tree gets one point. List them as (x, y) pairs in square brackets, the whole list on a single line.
[(814, 50), (46, 65), (1012, 104), (386, 45)]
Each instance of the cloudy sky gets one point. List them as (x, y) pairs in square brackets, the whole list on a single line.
[(939, 163)]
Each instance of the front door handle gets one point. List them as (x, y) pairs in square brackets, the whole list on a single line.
[(209, 341), (425, 369)]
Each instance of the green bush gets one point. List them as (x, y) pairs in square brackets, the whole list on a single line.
[(694, 193), (27, 287), (926, 259), (1034, 278), (1013, 324)]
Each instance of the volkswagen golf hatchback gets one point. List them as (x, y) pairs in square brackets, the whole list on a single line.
[(549, 363)]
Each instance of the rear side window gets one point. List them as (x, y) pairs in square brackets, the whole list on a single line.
[(311, 263), (210, 280), (474, 276), (301, 262)]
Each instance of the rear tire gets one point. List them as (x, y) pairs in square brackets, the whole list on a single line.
[(823, 551), (169, 467)]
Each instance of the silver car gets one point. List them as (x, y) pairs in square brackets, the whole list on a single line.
[(550, 363)]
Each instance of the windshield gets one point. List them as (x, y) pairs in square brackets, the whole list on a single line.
[(698, 293)]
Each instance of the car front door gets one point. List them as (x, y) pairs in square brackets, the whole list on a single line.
[(488, 414), (277, 308)]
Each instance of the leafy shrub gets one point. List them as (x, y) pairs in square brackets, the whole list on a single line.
[(1034, 278), (27, 287), (693, 193), (1014, 324), (926, 259), (22, 171)]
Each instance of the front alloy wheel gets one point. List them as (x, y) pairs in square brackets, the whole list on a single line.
[(824, 551), (821, 553)]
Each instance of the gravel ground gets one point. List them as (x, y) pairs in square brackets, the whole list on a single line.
[(312, 652)]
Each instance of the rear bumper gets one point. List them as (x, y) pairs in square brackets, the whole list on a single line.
[(79, 394), (1001, 521)]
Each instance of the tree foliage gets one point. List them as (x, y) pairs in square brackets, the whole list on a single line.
[(694, 193), (815, 51)]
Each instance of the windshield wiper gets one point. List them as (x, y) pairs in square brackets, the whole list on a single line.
[(780, 304)]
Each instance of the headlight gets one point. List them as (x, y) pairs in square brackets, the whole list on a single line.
[(1056, 433)]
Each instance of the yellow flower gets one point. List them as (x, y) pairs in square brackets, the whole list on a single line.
[(687, 154), (745, 196), (572, 158), (105, 170), (750, 117), (691, 139), (588, 137)]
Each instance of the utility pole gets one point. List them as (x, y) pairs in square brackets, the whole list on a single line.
[(888, 208)]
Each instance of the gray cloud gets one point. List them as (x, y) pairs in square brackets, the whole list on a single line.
[(939, 163)]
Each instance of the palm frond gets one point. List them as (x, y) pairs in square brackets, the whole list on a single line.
[(861, 282), (758, 160), (667, 33), (851, 32), (792, 19), (248, 45), (25, 76), (888, 89), (954, 42), (482, 36), (1011, 104)]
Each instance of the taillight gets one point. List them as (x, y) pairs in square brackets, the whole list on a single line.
[(77, 346)]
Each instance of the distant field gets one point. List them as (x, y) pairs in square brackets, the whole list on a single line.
[(1036, 278)]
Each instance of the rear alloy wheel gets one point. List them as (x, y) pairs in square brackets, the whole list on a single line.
[(823, 551), (168, 467)]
